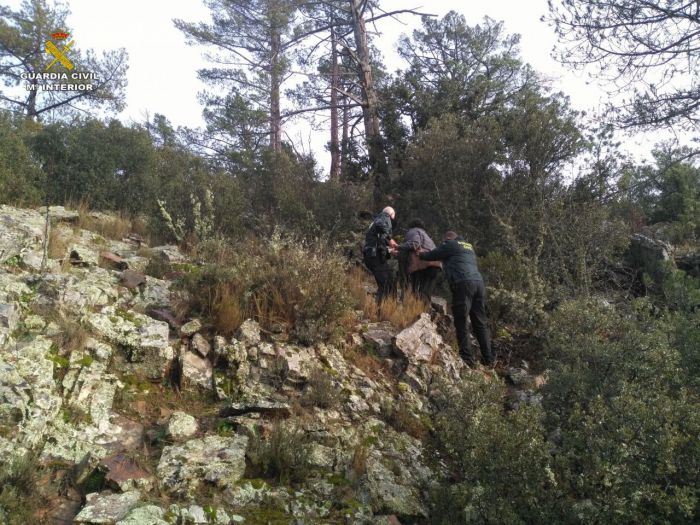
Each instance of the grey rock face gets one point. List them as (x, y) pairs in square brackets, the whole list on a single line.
[(380, 337), (214, 459), (107, 508), (145, 338), (148, 515), (22, 231)]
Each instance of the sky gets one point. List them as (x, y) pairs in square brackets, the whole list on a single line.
[(162, 76)]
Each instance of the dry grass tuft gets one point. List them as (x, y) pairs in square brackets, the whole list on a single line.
[(227, 312), (111, 227), (400, 313), (72, 335), (58, 242)]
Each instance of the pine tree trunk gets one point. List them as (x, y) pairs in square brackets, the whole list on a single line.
[(370, 107), (335, 82), (275, 82)]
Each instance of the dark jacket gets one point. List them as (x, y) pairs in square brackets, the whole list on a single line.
[(459, 260), (378, 236), (417, 238)]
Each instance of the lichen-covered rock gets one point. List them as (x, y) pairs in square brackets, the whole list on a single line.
[(72, 441), (182, 426), (191, 327), (215, 460), (249, 332), (148, 515), (28, 397), (82, 288), (107, 508), (22, 231), (200, 345), (395, 473), (196, 371), (9, 319), (145, 339)]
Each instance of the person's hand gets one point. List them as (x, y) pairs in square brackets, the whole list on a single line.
[(393, 244)]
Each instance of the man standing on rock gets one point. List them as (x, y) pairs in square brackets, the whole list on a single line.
[(468, 294), (377, 249)]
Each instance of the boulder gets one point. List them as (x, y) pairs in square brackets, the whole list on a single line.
[(215, 460), (132, 280), (22, 231), (107, 508), (59, 213), (249, 332), (169, 253), (196, 371), (191, 327), (419, 342), (145, 339), (9, 316), (380, 338), (181, 426), (28, 397), (200, 345)]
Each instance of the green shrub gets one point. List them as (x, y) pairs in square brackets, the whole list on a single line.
[(21, 180), (498, 467), (625, 413)]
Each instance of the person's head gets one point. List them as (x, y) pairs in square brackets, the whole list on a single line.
[(389, 211), (451, 235), (416, 223)]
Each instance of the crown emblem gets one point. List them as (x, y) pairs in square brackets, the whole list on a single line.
[(59, 35)]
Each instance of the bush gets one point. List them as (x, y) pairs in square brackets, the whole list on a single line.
[(283, 456), (321, 390), (280, 280), (21, 180), (18, 491), (498, 467), (625, 413)]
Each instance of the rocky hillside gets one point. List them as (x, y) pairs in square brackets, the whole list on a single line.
[(113, 409)]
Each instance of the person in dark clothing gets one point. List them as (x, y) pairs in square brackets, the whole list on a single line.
[(377, 249), (468, 294), (420, 275)]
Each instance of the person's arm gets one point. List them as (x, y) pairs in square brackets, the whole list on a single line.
[(438, 254)]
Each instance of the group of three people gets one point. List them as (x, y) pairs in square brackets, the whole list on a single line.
[(421, 260)]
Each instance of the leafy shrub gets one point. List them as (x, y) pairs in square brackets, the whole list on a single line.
[(625, 413), (279, 280), (498, 464), (21, 180)]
